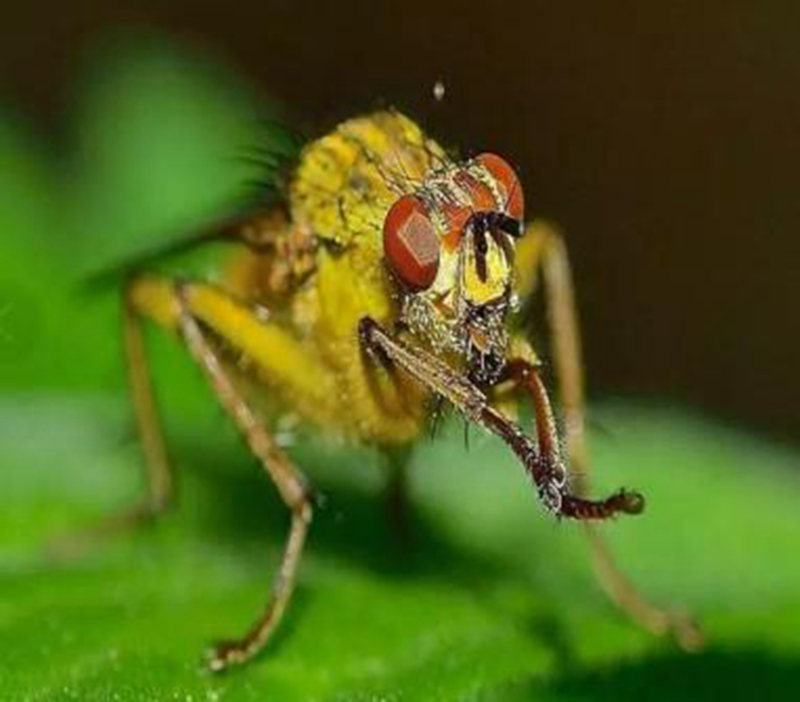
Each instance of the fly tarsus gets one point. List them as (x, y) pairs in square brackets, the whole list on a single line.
[(624, 502), (545, 465), (552, 484)]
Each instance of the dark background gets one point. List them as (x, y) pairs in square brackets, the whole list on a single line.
[(663, 136)]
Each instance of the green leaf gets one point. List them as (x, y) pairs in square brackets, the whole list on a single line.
[(490, 600), (165, 142), (161, 140)]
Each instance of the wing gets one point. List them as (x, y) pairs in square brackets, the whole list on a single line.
[(248, 225)]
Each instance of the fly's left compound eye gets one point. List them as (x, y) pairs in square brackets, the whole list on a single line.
[(410, 243), (504, 174)]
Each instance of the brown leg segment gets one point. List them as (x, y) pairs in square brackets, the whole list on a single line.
[(571, 504), (396, 493), (159, 476), (566, 351), (160, 484), (544, 466), (291, 486)]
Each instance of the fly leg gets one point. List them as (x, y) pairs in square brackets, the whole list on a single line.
[(202, 316), (548, 475), (159, 478), (290, 484), (551, 255), (396, 492)]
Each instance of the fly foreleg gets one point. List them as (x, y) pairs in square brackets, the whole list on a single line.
[(542, 462)]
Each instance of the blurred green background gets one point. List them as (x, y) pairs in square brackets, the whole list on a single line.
[(660, 138)]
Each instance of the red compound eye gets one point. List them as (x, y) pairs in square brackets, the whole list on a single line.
[(410, 243), (512, 195)]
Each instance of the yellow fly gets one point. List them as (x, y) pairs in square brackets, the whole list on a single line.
[(388, 277)]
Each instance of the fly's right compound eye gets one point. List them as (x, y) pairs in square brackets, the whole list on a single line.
[(514, 202), (410, 243)]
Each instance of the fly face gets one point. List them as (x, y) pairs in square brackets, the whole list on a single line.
[(450, 245)]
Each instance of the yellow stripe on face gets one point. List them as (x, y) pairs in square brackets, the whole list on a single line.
[(498, 273)]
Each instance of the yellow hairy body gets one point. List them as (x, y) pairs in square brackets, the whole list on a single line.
[(322, 272)]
